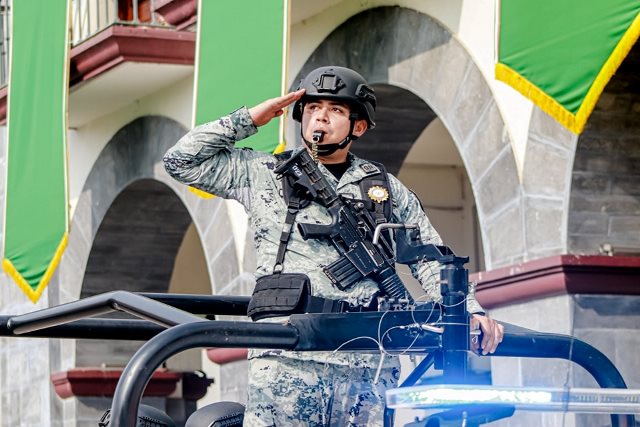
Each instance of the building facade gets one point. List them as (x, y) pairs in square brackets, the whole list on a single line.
[(550, 219)]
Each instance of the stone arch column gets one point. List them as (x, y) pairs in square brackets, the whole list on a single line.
[(546, 184), (135, 153), (604, 202), (405, 48)]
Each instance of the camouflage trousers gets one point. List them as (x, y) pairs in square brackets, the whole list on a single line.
[(287, 392)]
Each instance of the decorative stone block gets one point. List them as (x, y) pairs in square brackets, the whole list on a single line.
[(545, 128), (472, 101), (590, 184), (625, 228), (498, 187), (504, 236), (543, 222), (546, 169), (487, 140)]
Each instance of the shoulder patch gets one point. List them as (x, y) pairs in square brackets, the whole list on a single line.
[(369, 168)]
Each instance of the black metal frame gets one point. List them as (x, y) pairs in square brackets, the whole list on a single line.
[(302, 333), (170, 326)]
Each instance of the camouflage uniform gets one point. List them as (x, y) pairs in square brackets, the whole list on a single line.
[(206, 159), (311, 393)]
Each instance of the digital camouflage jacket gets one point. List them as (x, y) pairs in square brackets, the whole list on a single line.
[(205, 158)]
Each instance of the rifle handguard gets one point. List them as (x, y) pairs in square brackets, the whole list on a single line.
[(390, 283)]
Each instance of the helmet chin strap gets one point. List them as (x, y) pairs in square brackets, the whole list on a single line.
[(328, 149)]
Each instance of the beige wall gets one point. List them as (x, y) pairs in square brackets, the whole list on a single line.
[(434, 170), (190, 275)]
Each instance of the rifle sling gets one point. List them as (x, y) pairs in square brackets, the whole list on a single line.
[(292, 210)]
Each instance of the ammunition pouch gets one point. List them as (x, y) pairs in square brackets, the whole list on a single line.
[(284, 294), (278, 295)]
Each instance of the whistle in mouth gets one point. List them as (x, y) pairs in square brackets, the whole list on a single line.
[(318, 136)]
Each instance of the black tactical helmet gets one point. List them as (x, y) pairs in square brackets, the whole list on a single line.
[(341, 84)]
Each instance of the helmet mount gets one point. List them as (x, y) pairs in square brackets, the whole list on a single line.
[(328, 82)]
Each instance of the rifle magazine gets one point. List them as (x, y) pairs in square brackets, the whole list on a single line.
[(342, 273)]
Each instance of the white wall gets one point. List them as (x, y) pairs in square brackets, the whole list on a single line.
[(433, 169), (87, 141)]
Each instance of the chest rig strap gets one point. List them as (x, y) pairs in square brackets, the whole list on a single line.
[(293, 207), (378, 183), (283, 294), (377, 189), (295, 202)]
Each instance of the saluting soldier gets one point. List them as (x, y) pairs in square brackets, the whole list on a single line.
[(335, 106)]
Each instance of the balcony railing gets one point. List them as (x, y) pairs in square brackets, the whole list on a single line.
[(88, 17)]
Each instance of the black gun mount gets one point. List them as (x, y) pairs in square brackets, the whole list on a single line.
[(407, 332)]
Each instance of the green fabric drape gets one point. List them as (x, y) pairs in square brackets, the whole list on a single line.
[(241, 53), (561, 54), (36, 216)]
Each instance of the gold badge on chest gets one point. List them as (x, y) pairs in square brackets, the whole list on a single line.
[(378, 194)]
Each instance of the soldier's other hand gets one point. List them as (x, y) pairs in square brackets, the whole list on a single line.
[(262, 113), (492, 333)]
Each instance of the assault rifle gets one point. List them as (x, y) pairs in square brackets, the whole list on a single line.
[(351, 230)]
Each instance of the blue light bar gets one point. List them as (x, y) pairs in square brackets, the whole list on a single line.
[(592, 400)]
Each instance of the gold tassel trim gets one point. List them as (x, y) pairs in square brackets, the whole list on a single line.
[(201, 193), (620, 52), (34, 294), (280, 148), (574, 122)]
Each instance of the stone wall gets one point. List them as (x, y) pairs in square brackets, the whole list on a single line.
[(24, 363), (605, 188)]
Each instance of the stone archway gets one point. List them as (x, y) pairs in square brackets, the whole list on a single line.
[(413, 144), (132, 160), (133, 154), (408, 49), (401, 117), (134, 249), (137, 241)]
